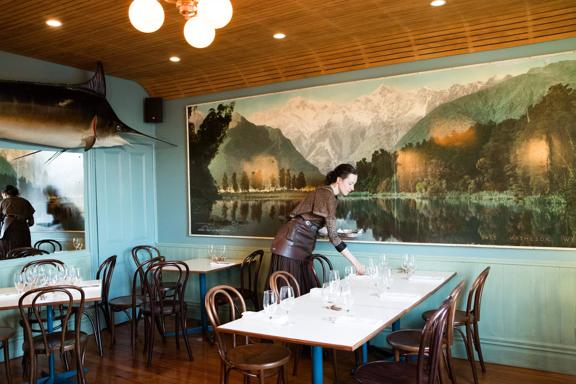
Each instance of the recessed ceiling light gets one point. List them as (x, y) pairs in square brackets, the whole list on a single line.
[(53, 23), (174, 59), (438, 3), (279, 36)]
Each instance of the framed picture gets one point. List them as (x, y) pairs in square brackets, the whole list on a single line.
[(53, 183), (482, 154)]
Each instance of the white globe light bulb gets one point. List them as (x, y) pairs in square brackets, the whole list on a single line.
[(217, 13), (198, 33), (146, 15)]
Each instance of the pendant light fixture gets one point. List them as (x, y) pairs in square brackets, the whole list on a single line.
[(203, 17)]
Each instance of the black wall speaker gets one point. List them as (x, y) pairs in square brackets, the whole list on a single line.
[(153, 109)]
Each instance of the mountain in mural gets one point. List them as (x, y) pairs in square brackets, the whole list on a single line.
[(327, 133), (256, 148), (508, 99)]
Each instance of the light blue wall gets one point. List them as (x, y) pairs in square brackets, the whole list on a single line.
[(529, 311), (119, 182)]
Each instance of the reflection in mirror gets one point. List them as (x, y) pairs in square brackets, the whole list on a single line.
[(53, 183)]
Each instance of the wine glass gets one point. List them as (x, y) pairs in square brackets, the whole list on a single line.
[(389, 278), (269, 303), (346, 298), (19, 283), (326, 294), (411, 265), (350, 271), (286, 298), (222, 254)]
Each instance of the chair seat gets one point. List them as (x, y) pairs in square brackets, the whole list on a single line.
[(407, 340), (169, 308), (459, 317), (124, 302), (258, 356), (6, 333), (379, 372), (54, 340)]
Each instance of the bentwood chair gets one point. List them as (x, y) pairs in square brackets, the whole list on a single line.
[(17, 253), (238, 353), (49, 245), (143, 253), (279, 279), (131, 304), (156, 306), (469, 320), (5, 334), (426, 370), (61, 341), (104, 273), (407, 341), (249, 272), (324, 265)]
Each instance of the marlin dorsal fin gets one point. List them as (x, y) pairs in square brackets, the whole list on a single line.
[(98, 82)]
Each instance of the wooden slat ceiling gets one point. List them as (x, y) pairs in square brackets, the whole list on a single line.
[(324, 36)]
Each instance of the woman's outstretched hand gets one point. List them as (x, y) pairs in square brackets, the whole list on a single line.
[(360, 270)]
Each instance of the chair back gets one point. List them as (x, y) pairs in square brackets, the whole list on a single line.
[(49, 245), (141, 253), (105, 272), (281, 278), (430, 351), (24, 252), (453, 297), (57, 264), (475, 295), (31, 306), (225, 296), (153, 292), (325, 265), (249, 271)]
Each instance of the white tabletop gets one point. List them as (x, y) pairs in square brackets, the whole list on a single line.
[(204, 265), (92, 292), (311, 323)]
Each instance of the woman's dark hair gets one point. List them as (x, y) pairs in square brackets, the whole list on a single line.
[(342, 171), (11, 190)]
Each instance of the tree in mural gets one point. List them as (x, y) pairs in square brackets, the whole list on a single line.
[(203, 144)]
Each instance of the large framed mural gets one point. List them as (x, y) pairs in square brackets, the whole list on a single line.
[(482, 154), (53, 182)]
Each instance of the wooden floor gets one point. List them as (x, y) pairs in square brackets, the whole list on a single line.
[(171, 366)]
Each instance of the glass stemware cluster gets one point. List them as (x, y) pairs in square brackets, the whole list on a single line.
[(380, 275), (217, 254), (284, 301), (78, 243), (337, 293), (45, 275)]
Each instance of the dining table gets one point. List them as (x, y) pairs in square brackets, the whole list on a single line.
[(313, 322), (203, 266), (9, 298)]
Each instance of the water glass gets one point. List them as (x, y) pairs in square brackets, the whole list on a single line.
[(350, 271), (326, 294), (286, 298), (346, 299), (389, 278), (334, 276), (269, 303)]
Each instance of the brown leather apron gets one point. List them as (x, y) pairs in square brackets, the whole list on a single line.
[(296, 239)]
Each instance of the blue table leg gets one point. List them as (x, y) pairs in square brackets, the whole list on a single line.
[(204, 321), (396, 325), (364, 353), (50, 326), (317, 369)]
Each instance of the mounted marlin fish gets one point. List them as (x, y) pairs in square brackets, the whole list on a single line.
[(62, 116)]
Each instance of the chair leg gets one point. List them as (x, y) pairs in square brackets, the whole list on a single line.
[(334, 365), (97, 332), (185, 336), (478, 347), (177, 330), (33, 362), (261, 377), (79, 364), (113, 327), (64, 358), (449, 365), (469, 351), (396, 355), (7, 361), (150, 344)]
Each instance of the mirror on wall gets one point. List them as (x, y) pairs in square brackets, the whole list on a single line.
[(53, 183)]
